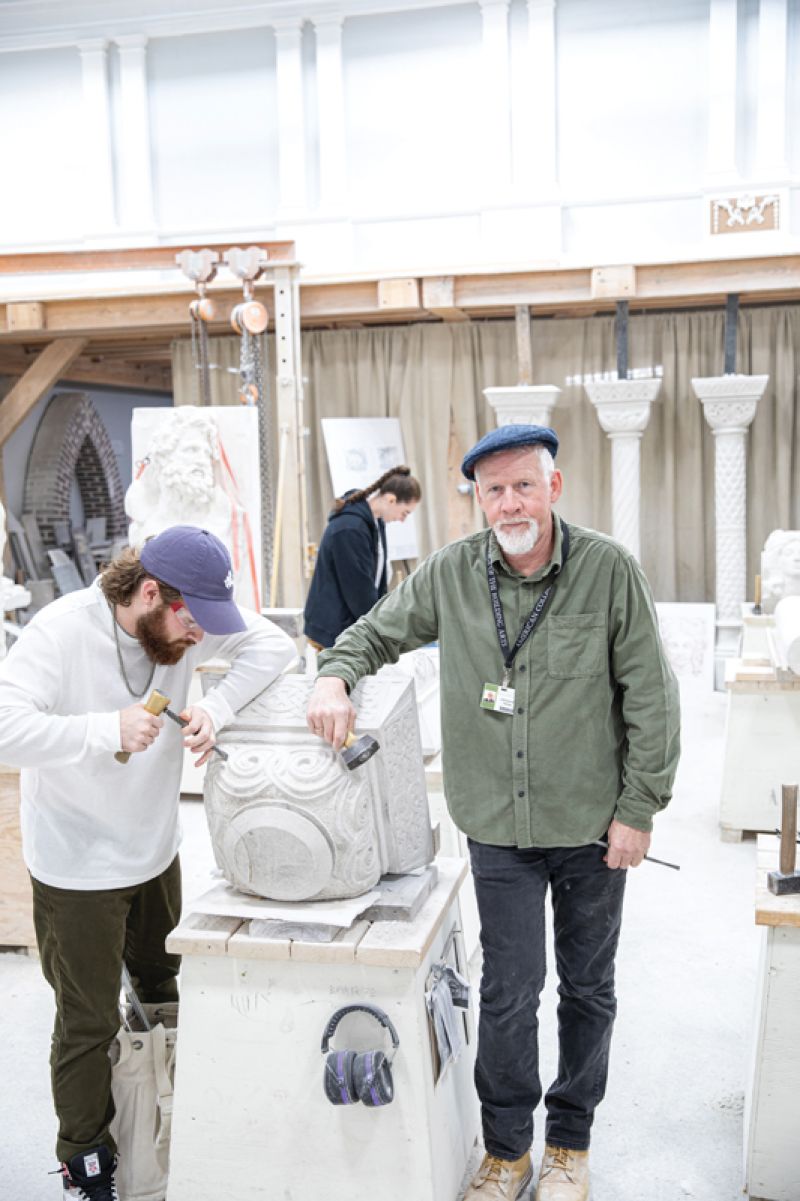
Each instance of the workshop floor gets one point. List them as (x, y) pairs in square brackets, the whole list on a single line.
[(671, 1125)]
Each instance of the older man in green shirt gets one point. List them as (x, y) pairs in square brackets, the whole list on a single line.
[(560, 729)]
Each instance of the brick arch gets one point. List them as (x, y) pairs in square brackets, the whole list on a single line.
[(71, 443)]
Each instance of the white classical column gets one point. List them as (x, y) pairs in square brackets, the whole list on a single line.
[(542, 61), (291, 126), (331, 116), (98, 176), (623, 410), (496, 98), (722, 59), (770, 156), (527, 404), (133, 153), (729, 405)]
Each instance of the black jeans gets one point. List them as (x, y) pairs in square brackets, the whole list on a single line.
[(511, 886), (84, 937)]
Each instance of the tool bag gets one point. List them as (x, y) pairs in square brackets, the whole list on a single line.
[(142, 1076)]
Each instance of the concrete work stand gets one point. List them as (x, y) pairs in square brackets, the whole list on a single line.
[(250, 1116), (772, 1148), (762, 735)]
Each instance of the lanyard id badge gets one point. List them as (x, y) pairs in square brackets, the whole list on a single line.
[(499, 698)]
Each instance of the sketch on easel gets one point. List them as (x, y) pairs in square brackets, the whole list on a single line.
[(199, 466), (359, 450), (687, 632)]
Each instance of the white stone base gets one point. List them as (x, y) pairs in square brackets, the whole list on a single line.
[(250, 1116), (772, 1152), (761, 740)]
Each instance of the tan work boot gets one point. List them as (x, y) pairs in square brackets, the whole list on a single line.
[(500, 1179), (564, 1175)]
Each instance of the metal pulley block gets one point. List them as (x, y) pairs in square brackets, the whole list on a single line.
[(250, 317), (203, 309)]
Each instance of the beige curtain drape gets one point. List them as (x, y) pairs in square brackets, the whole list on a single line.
[(422, 374)]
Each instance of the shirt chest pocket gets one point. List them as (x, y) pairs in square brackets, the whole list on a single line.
[(576, 645)]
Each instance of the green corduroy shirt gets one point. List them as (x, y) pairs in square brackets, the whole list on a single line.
[(595, 730)]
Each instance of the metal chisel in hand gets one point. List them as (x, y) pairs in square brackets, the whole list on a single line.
[(181, 721)]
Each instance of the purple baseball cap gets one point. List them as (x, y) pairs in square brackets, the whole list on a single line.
[(197, 564)]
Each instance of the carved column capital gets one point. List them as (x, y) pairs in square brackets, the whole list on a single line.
[(527, 404), (730, 401), (623, 406)]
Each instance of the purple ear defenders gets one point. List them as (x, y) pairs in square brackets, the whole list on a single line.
[(352, 1076)]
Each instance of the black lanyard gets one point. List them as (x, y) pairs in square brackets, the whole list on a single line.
[(508, 652)]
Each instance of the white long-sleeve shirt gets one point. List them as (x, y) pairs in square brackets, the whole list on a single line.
[(89, 822)]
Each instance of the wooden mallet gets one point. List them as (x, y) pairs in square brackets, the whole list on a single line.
[(787, 880), (156, 703)]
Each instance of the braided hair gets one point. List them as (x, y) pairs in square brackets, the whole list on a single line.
[(398, 481)]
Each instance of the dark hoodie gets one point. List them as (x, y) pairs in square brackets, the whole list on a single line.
[(343, 587)]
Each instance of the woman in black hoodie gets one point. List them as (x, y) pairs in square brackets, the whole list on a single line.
[(351, 573)]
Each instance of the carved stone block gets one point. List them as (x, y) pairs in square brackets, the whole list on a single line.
[(780, 568), (423, 666), (287, 819)]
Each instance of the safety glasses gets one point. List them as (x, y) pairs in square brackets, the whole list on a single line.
[(184, 616)]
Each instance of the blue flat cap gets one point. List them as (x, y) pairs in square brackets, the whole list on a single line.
[(509, 437)]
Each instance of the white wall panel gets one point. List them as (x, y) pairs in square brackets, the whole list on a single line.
[(43, 156), (793, 91), (633, 232), (632, 88), (412, 103), (213, 130)]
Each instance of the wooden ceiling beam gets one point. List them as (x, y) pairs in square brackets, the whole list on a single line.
[(144, 258), (47, 369), (137, 376), (438, 298), (147, 322)]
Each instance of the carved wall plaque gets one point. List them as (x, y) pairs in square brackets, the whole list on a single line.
[(745, 214)]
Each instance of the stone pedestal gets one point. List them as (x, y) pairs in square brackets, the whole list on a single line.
[(526, 404), (729, 405), (249, 1078), (623, 410), (772, 1153), (762, 731)]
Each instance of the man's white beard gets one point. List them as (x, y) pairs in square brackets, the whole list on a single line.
[(519, 538)]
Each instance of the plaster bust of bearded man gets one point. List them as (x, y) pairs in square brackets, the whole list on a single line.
[(177, 485), (780, 568)]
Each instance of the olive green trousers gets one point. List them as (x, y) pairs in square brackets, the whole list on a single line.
[(84, 938)]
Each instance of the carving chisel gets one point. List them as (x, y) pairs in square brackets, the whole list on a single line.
[(650, 859), (181, 721)]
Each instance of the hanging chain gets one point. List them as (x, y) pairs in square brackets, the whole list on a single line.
[(250, 325), (200, 358), (265, 458)]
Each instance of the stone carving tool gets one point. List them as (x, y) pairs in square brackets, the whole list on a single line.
[(358, 750), (650, 858), (181, 721), (787, 880), (156, 703)]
